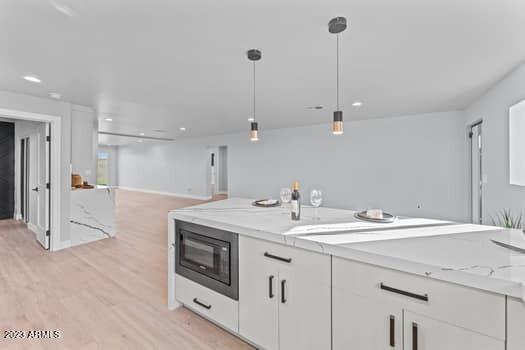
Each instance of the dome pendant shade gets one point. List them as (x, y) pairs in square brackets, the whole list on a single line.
[(254, 132), (337, 124)]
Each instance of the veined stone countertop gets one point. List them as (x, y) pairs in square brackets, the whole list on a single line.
[(92, 215), (443, 250)]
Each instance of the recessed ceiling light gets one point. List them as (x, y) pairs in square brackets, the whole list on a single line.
[(141, 134), (182, 129), (32, 79), (251, 120), (318, 107), (108, 119), (356, 104), (63, 9), (55, 95)]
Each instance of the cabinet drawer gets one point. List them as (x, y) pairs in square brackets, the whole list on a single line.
[(208, 303), (279, 255), (472, 309)]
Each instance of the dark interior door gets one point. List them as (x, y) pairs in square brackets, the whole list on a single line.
[(7, 170)]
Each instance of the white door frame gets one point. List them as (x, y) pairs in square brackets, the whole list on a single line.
[(56, 160), (476, 187)]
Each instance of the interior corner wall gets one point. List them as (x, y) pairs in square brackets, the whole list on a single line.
[(493, 109), (26, 103), (411, 165)]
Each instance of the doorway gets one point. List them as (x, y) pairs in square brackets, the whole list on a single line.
[(102, 169), (7, 170), (476, 172), (33, 187), (217, 172), (50, 188), (24, 183)]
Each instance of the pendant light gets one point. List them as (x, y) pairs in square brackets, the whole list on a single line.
[(336, 26), (254, 55)]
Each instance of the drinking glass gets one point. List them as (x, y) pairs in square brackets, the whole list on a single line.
[(316, 199), (286, 195)]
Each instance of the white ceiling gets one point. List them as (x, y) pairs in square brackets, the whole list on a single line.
[(163, 64)]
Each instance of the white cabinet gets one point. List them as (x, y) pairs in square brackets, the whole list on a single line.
[(423, 333), (208, 303), (364, 323), (515, 323), (258, 301), (284, 296), (428, 314)]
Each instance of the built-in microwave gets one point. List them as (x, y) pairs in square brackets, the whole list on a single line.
[(208, 256)]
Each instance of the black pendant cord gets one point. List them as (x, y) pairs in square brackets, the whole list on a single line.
[(254, 91), (337, 70)]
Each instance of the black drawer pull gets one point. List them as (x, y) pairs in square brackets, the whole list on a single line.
[(423, 297), (392, 331), (283, 292), (414, 336), (271, 256), (196, 301), (270, 287)]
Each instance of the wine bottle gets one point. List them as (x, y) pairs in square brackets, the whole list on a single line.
[(296, 202)]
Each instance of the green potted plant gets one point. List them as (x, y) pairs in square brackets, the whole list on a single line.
[(505, 218)]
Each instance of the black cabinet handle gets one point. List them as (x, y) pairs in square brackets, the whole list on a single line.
[(414, 336), (283, 291), (423, 297), (196, 301), (35, 189), (392, 331), (270, 287), (271, 256)]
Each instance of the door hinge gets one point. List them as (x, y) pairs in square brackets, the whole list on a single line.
[(470, 134), (48, 138), (48, 233), (48, 186)]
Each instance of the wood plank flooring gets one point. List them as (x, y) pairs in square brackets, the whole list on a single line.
[(110, 294)]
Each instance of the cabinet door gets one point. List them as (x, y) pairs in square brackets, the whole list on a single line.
[(305, 302), (515, 322), (364, 323), (258, 296), (422, 333)]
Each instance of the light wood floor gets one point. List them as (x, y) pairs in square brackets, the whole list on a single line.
[(110, 294)]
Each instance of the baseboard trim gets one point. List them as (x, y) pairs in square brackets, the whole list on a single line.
[(34, 228), (171, 194), (62, 245)]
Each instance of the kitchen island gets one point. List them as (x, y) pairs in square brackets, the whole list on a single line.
[(436, 284), (92, 214)]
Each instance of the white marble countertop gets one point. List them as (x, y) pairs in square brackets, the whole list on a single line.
[(443, 250)]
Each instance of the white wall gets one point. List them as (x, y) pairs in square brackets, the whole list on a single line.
[(412, 165), (493, 108), (19, 102), (84, 128)]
